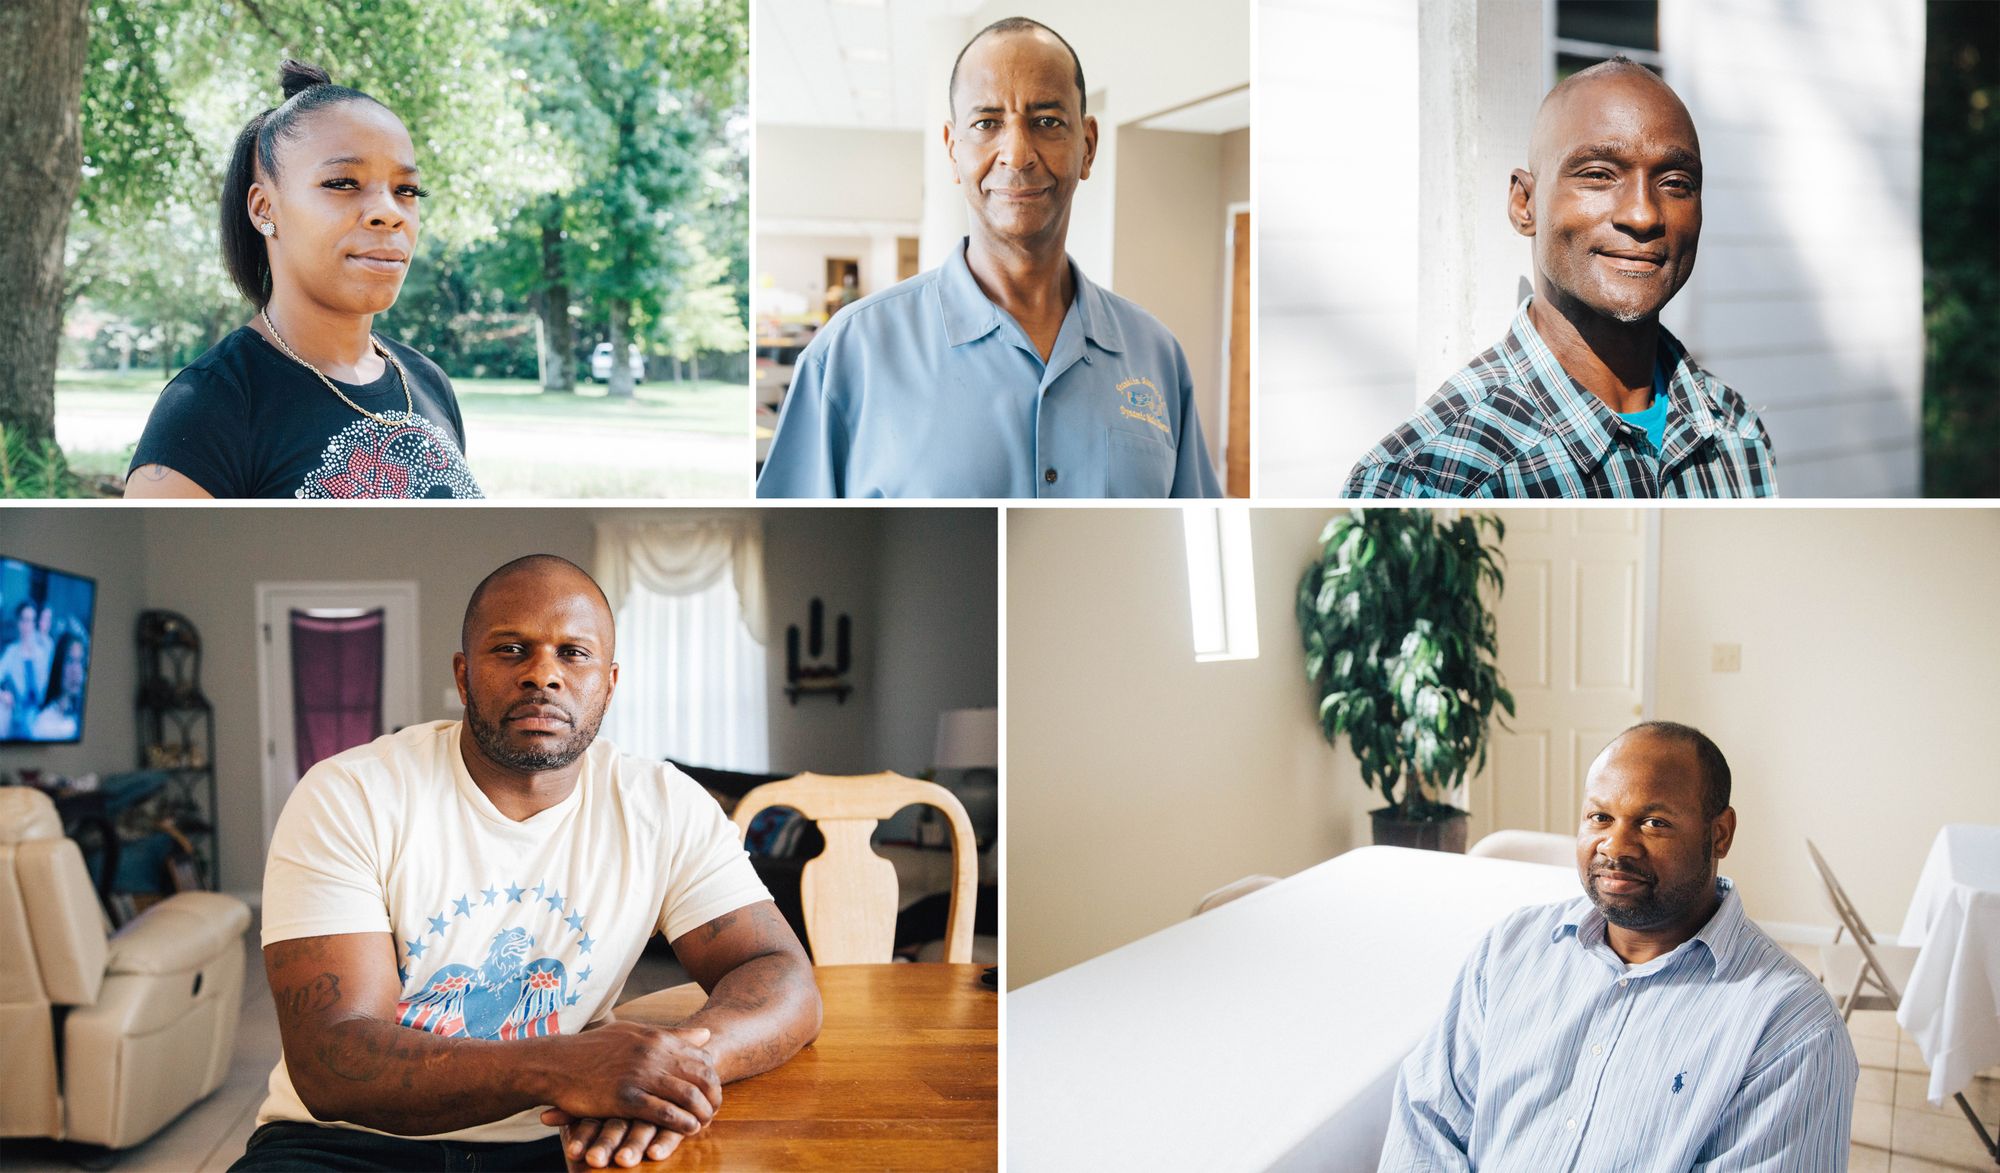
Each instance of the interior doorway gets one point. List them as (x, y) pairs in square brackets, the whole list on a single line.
[(336, 660)]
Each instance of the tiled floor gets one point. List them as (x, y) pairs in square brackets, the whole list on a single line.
[(211, 1135), (1896, 1129)]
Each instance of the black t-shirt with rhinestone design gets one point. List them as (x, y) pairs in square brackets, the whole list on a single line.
[(245, 420)]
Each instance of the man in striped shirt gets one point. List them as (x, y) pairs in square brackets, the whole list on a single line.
[(1588, 395), (1647, 1025)]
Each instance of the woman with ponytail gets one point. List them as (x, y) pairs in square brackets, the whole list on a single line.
[(319, 223)]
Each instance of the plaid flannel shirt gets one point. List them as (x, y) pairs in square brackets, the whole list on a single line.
[(1514, 424)]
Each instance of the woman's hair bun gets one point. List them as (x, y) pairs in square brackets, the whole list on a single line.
[(298, 76)]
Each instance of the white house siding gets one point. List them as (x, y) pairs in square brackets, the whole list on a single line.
[(1808, 296), (1336, 167)]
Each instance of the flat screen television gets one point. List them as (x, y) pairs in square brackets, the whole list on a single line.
[(45, 627)]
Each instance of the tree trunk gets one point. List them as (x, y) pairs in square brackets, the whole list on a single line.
[(559, 372), (621, 366), (43, 47)]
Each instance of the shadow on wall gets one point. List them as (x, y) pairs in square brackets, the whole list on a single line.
[(1825, 342)]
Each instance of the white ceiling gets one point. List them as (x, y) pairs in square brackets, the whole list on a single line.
[(1218, 115), (850, 63)]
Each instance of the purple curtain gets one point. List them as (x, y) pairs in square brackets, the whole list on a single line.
[(336, 684)]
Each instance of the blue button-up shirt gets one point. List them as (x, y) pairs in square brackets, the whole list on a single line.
[(928, 389), (1724, 1054)]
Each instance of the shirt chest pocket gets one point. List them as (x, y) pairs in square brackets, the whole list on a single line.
[(1137, 464)]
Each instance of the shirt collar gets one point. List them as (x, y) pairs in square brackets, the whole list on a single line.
[(1720, 936), (1586, 427), (970, 316)]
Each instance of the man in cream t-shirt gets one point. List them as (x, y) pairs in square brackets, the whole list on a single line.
[(451, 911)]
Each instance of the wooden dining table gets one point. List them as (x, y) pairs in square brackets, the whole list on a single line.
[(904, 1076)]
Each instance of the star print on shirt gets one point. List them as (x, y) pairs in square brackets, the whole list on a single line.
[(584, 976), (416, 947), (514, 893), (437, 924), (574, 920), (490, 894), (555, 900), (584, 945), (464, 905)]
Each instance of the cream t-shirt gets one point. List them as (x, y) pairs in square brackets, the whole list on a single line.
[(503, 930)]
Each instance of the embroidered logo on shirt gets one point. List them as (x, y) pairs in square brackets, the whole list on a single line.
[(1144, 402), (1677, 1083)]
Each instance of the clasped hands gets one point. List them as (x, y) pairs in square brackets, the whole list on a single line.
[(639, 1093)]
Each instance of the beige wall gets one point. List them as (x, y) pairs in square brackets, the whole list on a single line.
[(1862, 713), (1170, 239), (1137, 779), (205, 563), (797, 264), (818, 173)]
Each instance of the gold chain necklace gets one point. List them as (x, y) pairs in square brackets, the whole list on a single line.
[(409, 403)]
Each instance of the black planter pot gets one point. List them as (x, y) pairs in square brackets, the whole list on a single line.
[(1446, 834)]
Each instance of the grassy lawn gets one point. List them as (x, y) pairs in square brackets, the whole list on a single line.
[(668, 440)]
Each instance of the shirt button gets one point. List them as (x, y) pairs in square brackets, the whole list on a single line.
[(1570, 1124), (1623, 982), (1050, 476), (1596, 1049)]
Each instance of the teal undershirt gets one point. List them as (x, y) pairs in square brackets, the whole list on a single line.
[(1652, 419)]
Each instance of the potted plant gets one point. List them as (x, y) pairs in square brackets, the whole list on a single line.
[(1399, 648)]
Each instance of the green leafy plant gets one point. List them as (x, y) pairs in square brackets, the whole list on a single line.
[(1400, 649), (33, 468)]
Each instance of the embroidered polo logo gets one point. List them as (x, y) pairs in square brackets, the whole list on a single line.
[(1143, 402), (1677, 1083)]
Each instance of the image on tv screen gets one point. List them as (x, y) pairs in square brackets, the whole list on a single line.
[(45, 618)]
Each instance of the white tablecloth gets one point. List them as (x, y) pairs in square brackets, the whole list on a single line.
[(1264, 1034), (1952, 1008)]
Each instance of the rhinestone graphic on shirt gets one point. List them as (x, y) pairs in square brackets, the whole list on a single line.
[(413, 458), (522, 983)]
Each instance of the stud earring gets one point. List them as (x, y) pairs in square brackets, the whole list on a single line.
[(267, 228)]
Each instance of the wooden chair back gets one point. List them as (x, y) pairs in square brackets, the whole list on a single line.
[(847, 891)]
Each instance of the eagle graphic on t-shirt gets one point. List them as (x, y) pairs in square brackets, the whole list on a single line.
[(508, 997)]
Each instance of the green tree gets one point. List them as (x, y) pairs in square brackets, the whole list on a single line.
[(1961, 206), (122, 112)]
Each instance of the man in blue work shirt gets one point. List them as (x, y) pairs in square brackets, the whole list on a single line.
[(1645, 1026), (1004, 372), (1588, 395)]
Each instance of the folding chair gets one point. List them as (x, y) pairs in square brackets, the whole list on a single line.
[(1874, 966)]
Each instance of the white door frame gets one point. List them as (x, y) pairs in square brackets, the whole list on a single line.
[(275, 601)]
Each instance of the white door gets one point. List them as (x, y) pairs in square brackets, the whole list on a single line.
[(275, 603), (1575, 650)]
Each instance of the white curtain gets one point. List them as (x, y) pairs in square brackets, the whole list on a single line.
[(688, 594)]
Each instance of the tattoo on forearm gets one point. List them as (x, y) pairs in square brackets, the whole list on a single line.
[(317, 996)]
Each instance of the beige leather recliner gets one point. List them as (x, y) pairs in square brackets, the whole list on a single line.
[(151, 1012)]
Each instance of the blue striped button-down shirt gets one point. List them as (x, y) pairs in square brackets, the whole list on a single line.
[(1514, 424), (1724, 1054)]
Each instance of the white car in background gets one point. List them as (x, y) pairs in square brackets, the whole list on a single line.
[(600, 363)]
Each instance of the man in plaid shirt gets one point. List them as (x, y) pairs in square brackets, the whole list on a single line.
[(1588, 395)]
